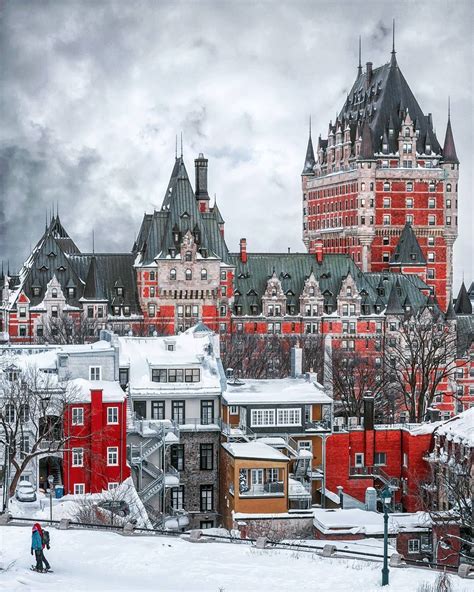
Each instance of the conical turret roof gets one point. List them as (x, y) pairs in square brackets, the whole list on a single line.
[(463, 302), (309, 160), (408, 250), (449, 149)]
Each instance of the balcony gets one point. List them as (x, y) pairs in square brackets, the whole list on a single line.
[(322, 425), (266, 489), (375, 472), (200, 424)]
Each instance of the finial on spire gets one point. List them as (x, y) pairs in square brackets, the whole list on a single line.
[(310, 126), (181, 144), (393, 60), (93, 242), (359, 67), (449, 107), (176, 147)]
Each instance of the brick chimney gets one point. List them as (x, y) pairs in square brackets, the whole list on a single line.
[(243, 250), (318, 251), (368, 411), (369, 73), (202, 196)]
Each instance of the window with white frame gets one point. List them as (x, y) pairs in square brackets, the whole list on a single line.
[(413, 545), (262, 417), (95, 373), (79, 488), (380, 458), (112, 415), (305, 445), (359, 459), (112, 486), (234, 410), (77, 416), (289, 417), (78, 457), (112, 456)]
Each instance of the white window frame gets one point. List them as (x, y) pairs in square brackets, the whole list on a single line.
[(379, 464), (76, 421), (110, 421), (262, 417), (233, 410), (79, 488), (411, 545), (305, 445), (112, 450), (112, 485), (93, 372), (289, 416), (359, 459), (77, 459)]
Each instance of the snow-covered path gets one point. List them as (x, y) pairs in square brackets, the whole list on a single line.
[(104, 561)]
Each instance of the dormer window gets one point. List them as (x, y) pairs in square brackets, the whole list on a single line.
[(52, 254), (176, 237), (152, 276), (428, 149), (61, 268), (119, 290), (189, 274), (36, 291), (172, 274), (253, 309), (311, 291), (54, 293), (188, 256), (126, 311), (71, 292), (407, 132), (349, 291), (204, 274), (173, 253), (274, 292), (116, 310)]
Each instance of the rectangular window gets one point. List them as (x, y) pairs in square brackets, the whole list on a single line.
[(431, 203), (178, 411), (39, 331), (94, 373), (112, 415), (409, 202), (177, 498), (380, 458), (206, 457), (431, 256), (175, 375), (177, 457), (262, 417), (207, 412), (430, 274), (192, 375), (123, 376), (205, 524), (431, 220), (414, 546), (386, 220), (77, 416), (22, 311), (22, 330), (111, 486), (386, 202), (405, 459), (158, 410), (78, 457), (25, 444), (234, 410), (359, 459), (112, 456), (159, 375), (79, 488), (207, 498), (289, 417)]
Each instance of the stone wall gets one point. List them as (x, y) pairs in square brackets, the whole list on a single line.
[(275, 529)]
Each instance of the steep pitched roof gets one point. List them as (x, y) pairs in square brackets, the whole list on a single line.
[(93, 288), (309, 160), (394, 305), (449, 149), (408, 250), (366, 147), (463, 303), (450, 314)]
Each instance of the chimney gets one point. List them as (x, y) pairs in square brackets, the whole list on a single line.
[(243, 250), (369, 73), (200, 165), (296, 361), (434, 414), (340, 493), (368, 411), (318, 251)]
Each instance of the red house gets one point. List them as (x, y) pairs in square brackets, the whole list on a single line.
[(95, 429)]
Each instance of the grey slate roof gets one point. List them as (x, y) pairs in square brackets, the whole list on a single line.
[(463, 303), (408, 250), (394, 305), (179, 213), (449, 149), (309, 161), (465, 333)]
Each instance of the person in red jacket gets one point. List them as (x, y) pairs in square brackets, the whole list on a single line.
[(38, 543)]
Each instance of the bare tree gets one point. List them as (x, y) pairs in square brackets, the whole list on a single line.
[(32, 409), (419, 357), (69, 329)]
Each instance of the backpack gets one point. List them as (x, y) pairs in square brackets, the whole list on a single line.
[(46, 538)]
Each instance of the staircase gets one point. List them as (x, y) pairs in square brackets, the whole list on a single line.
[(152, 488), (375, 472)]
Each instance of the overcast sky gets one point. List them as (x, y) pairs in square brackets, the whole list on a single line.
[(92, 94)]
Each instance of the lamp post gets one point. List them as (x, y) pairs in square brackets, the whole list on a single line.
[(386, 496), (50, 482)]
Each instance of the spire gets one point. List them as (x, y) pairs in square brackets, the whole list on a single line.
[(449, 149), (181, 144), (450, 314), (366, 147), (359, 67), (463, 302), (393, 59), (91, 289), (408, 250), (309, 160)]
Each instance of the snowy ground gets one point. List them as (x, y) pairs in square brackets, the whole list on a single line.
[(102, 561)]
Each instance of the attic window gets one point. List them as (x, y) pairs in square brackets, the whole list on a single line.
[(54, 293), (241, 276), (413, 256), (43, 268), (119, 290), (188, 256), (185, 215), (311, 291), (253, 309), (71, 292), (173, 253), (52, 254), (176, 237), (349, 291), (61, 268), (407, 132), (36, 291)]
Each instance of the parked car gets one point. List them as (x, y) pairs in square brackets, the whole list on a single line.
[(25, 492), (119, 507)]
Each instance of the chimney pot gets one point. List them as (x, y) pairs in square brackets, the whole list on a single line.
[(369, 72), (200, 166), (243, 250)]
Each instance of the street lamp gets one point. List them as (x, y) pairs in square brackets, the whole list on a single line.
[(386, 496), (50, 481)]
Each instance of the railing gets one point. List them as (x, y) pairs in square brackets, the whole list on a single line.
[(197, 424), (237, 431), (322, 425), (269, 488), (151, 489), (377, 472)]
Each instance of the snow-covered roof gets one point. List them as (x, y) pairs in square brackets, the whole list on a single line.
[(257, 450), (275, 390), (191, 349), (357, 521), (460, 429), (80, 390)]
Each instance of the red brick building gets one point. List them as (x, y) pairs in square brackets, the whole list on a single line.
[(95, 430)]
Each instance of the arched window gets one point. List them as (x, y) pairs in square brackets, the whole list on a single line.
[(151, 310), (409, 186), (9, 412), (311, 291), (362, 186), (189, 274), (172, 274), (204, 274), (448, 187), (407, 132), (349, 291), (25, 412), (188, 256), (54, 293), (386, 186)]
